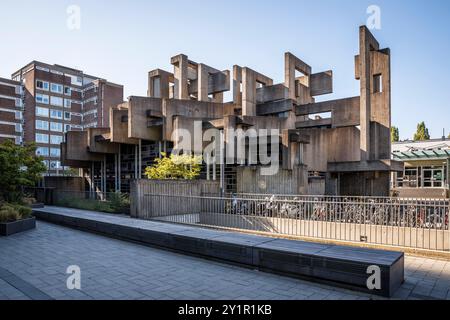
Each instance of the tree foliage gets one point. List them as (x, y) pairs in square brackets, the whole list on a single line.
[(19, 166), (394, 134), (422, 132), (184, 166)]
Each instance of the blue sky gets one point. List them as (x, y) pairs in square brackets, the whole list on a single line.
[(122, 40)]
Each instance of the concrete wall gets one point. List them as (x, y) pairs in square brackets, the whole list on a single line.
[(330, 145), (146, 204), (66, 183), (137, 117), (191, 109), (119, 127), (374, 184), (250, 180), (76, 147)]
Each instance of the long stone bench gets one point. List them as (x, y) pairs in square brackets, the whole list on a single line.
[(336, 265)]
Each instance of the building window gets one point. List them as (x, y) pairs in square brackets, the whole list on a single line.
[(76, 80), (42, 151), (42, 85), (56, 126), (41, 125), (67, 103), (67, 115), (42, 112), (18, 115), (67, 91), (42, 98), (56, 114), (41, 138), (18, 127), (54, 165), (56, 139), (377, 83), (42, 69), (55, 152), (56, 101), (18, 140), (67, 127), (19, 103), (19, 90), (57, 88)]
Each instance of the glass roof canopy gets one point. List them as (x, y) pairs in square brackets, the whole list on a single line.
[(434, 154)]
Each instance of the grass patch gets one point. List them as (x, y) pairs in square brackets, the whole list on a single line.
[(10, 212)]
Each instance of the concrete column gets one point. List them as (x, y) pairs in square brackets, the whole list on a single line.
[(248, 92), (180, 63), (218, 97), (104, 176), (136, 161), (101, 179), (119, 168), (222, 163), (366, 44), (116, 184), (92, 184), (289, 75), (237, 79), (203, 77), (140, 159)]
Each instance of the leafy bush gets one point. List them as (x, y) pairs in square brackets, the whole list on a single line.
[(28, 201), (116, 203), (8, 214), (19, 166), (25, 212), (12, 212), (119, 202), (184, 166)]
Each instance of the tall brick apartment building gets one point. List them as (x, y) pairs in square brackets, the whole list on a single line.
[(11, 110), (44, 101)]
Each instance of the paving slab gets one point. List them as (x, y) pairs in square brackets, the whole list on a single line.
[(345, 266)]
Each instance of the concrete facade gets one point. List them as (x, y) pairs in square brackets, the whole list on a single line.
[(346, 152)]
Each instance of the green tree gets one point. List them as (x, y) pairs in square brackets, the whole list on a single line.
[(19, 166), (394, 134), (422, 132), (184, 166)]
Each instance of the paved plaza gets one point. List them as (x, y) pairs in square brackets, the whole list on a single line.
[(33, 266)]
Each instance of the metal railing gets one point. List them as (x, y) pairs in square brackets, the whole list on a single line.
[(415, 223)]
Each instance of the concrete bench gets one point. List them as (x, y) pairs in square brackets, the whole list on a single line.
[(332, 264)]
